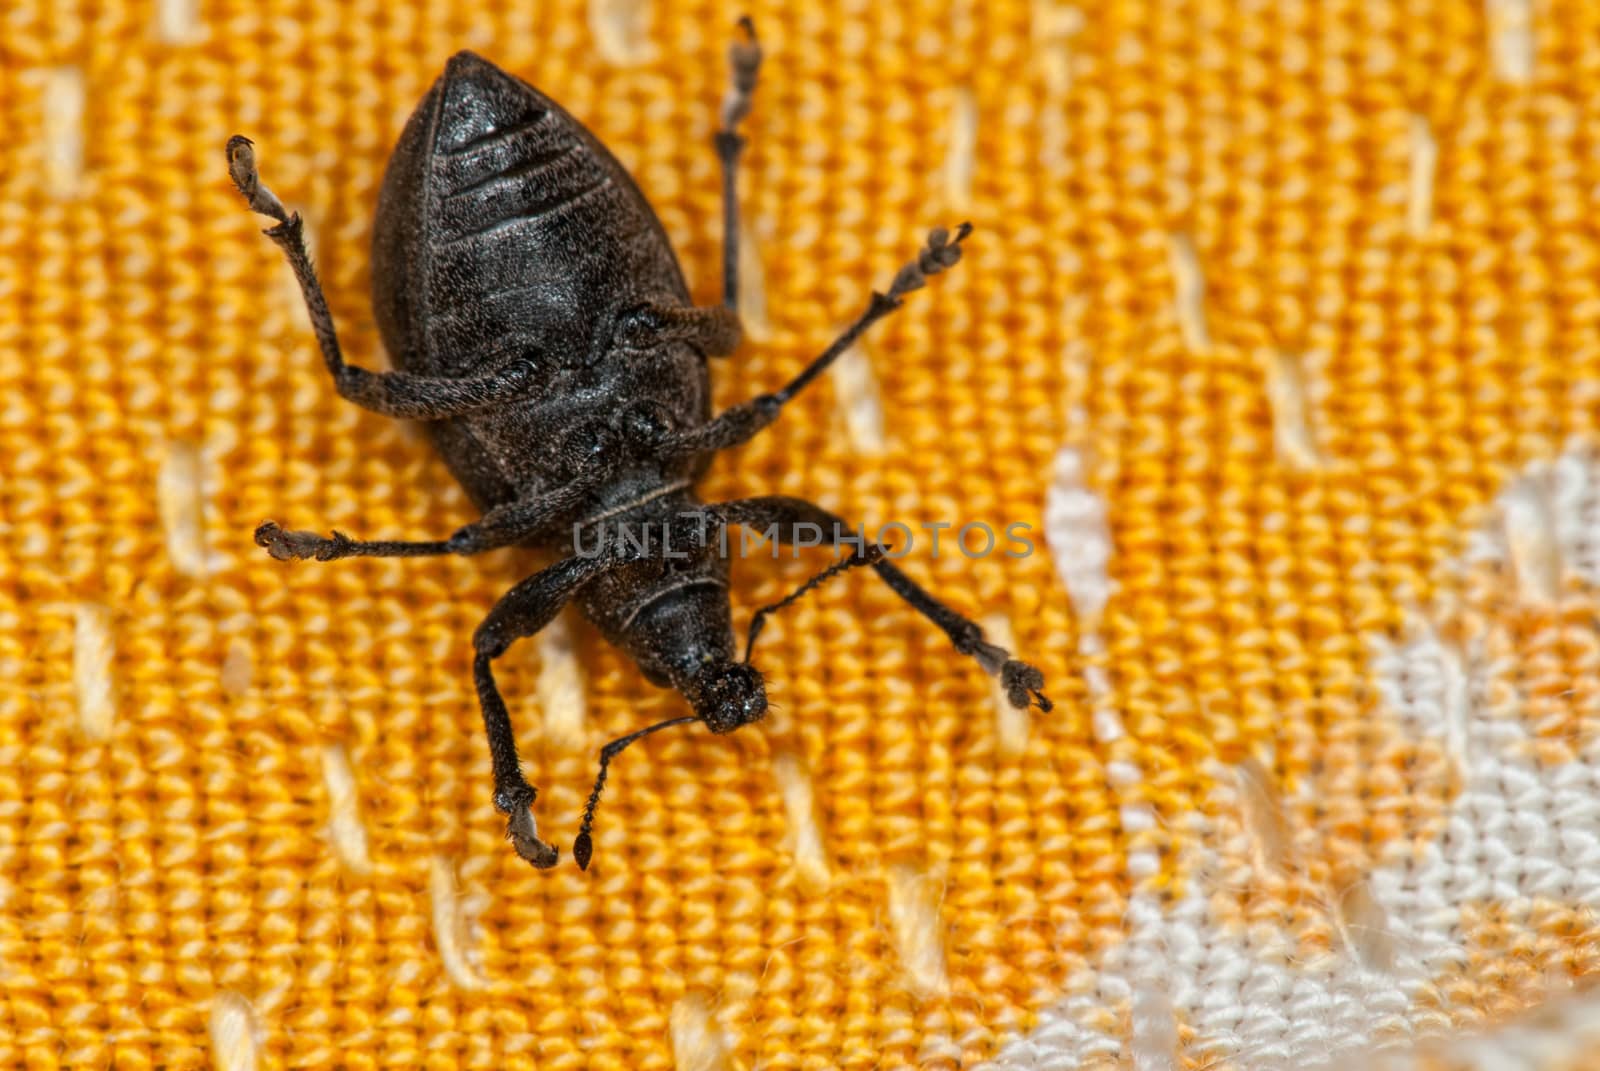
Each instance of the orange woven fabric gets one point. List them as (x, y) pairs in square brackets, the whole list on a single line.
[(1280, 325)]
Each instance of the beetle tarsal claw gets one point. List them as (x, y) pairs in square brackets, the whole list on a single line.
[(746, 56), (286, 545), (242, 169), (1022, 683), (523, 833), (286, 231)]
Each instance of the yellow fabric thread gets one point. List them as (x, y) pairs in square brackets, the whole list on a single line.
[(1393, 203)]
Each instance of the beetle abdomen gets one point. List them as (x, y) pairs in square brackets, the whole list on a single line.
[(506, 229)]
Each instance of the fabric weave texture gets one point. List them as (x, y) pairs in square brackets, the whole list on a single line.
[(1280, 327)]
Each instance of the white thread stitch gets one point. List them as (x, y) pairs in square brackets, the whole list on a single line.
[(1425, 683), (1574, 491), (449, 927), (1364, 926), (1424, 165), (345, 829), (1135, 815), (961, 156), (1053, 29), (1079, 536), (560, 684), (1103, 717), (1530, 537), (1010, 723), (1550, 524), (65, 99), (1143, 863), (1295, 445), (180, 502), (93, 651), (178, 22), (1154, 1032), (235, 1044), (752, 286), (856, 390), (916, 928), (238, 667), (1510, 25), (804, 832), (621, 30), (697, 1043), (1263, 813), (1189, 292)]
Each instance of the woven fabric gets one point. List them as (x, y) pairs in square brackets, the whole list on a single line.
[(1280, 326)]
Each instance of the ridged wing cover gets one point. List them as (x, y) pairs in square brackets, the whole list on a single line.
[(505, 229)]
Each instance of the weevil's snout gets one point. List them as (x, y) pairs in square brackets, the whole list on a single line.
[(727, 695)]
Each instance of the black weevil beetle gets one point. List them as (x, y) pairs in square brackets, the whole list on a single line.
[(541, 327)]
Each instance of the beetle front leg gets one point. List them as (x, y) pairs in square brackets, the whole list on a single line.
[(395, 394), (740, 423), (520, 613)]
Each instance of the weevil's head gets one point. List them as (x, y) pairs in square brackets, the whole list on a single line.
[(727, 694)]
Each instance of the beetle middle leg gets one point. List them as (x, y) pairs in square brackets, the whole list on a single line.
[(395, 394), (513, 522), (520, 613), (786, 517), (739, 423)]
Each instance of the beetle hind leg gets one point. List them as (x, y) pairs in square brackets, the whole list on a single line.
[(787, 518)]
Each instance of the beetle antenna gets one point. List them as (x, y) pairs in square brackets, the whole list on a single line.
[(872, 554), (583, 846)]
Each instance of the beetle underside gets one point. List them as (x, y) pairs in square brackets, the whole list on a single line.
[(542, 330)]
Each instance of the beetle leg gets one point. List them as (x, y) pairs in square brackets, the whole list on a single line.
[(786, 517), (395, 394), (712, 329), (520, 613), (740, 423), (502, 526), (745, 59)]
